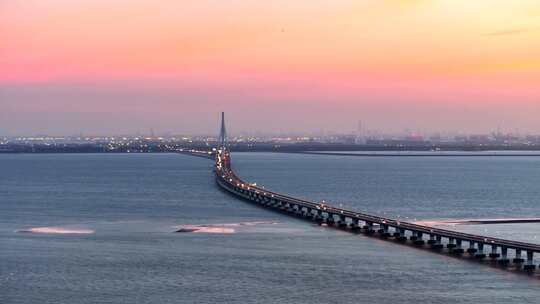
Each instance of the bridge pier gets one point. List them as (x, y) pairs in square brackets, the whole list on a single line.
[(504, 261), (342, 223), (318, 217), (480, 254), (291, 209), (386, 231), (471, 250), (330, 219), (401, 237), (285, 207), (288, 208), (302, 212), (368, 227), (451, 244), (518, 259), (458, 249), (397, 232), (419, 241), (355, 225), (529, 265), (494, 254), (438, 245)]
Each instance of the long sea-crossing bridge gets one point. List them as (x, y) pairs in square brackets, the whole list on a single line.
[(445, 241)]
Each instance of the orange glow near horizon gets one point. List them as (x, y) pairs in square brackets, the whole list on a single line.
[(440, 51)]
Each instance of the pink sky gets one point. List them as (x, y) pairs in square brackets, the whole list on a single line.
[(126, 66)]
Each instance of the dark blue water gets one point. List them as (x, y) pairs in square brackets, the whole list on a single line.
[(132, 202)]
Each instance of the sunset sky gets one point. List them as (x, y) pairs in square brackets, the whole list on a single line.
[(125, 66)]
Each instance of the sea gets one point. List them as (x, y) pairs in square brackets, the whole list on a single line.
[(100, 228)]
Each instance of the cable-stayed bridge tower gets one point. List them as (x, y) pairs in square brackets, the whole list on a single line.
[(223, 133)]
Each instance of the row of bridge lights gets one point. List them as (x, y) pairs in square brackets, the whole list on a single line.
[(323, 204), (249, 188)]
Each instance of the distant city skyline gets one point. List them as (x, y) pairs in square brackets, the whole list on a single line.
[(274, 67)]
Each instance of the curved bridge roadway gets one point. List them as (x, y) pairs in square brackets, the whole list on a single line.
[(371, 224)]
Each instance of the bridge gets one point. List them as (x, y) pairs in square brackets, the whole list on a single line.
[(440, 240)]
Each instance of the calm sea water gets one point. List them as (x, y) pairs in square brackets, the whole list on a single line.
[(132, 203)]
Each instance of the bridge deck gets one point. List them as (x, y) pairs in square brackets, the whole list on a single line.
[(231, 182)]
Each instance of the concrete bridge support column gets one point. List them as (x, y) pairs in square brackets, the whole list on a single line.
[(286, 207), (318, 217), (494, 254), (504, 261), (458, 249), (419, 239), (291, 208), (330, 219), (438, 245), (400, 235), (369, 228), (451, 244), (529, 265), (518, 259), (397, 232), (480, 254), (471, 250), (385, 231), (342, 222), (380, 230), (355, 225)]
